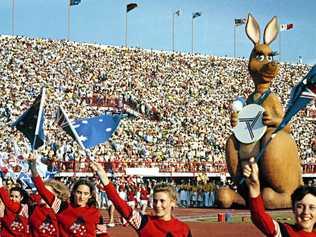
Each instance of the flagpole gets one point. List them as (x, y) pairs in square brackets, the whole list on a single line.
[(68, 20), (235, 43), (13, 16), (280, 46), (279, 20), (173, 14), (192, 36), (39, 116), (72, 129), (126, 28)]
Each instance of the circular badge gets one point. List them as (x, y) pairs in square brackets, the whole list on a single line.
[(250, 127)]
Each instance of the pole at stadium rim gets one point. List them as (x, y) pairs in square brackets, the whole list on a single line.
[(13, 17), (68, 20)]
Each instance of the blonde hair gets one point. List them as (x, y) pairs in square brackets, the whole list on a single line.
[(60, 189), (167, 188)]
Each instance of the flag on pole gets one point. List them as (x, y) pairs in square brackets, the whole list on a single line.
[(130, 6), (240, 21), (284, 27), (31, 122), (63, 121), (96, 130), (74, 2), (89, 132), (301, 95), (177, 13), (196, 14)]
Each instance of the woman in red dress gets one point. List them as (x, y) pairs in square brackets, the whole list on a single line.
[(77, 217), (162, 223), (15, 220)]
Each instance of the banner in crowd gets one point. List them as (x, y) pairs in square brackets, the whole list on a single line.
[(133, 107), (311, 114), (143, 171)]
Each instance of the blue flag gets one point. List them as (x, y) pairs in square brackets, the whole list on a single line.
[(96, 130), (31, 122), (74, 2), (89, 132), (301, 95)]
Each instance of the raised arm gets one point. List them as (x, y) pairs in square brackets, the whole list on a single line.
[(120, 205), (260, 218), (48, 196)]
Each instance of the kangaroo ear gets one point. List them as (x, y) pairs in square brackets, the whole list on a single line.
[(252, 29), (271, 31)]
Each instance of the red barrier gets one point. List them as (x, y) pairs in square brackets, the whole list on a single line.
[(164, 167)]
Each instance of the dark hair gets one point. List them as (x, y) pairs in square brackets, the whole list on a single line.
[(23, 193), (301, 192), (92, 202)]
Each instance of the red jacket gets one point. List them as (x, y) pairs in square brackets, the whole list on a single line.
[(15, 220), (43, 221), (147, 226), (270, 227), (73, 221)]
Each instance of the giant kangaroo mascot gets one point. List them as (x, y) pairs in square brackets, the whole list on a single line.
[(279, 167)]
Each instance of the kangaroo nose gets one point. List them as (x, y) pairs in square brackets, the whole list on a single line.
[(271, 66)]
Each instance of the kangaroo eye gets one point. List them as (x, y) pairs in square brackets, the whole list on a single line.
[(260, 57), (270, 58)]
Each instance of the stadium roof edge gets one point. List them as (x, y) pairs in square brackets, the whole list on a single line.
[(146, 50)]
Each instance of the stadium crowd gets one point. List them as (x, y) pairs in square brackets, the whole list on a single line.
[(192, 94)]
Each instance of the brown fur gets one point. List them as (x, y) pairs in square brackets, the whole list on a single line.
[(279, 167)]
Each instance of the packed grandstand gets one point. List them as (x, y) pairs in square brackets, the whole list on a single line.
[(191, 95)]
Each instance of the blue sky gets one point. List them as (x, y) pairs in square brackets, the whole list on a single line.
[(150, 24)]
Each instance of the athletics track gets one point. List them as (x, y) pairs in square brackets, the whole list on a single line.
[(194, 217)]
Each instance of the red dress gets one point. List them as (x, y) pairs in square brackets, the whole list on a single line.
[(43, 221), (15, 220), (270, 227), (146, 225), (73, 221)]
